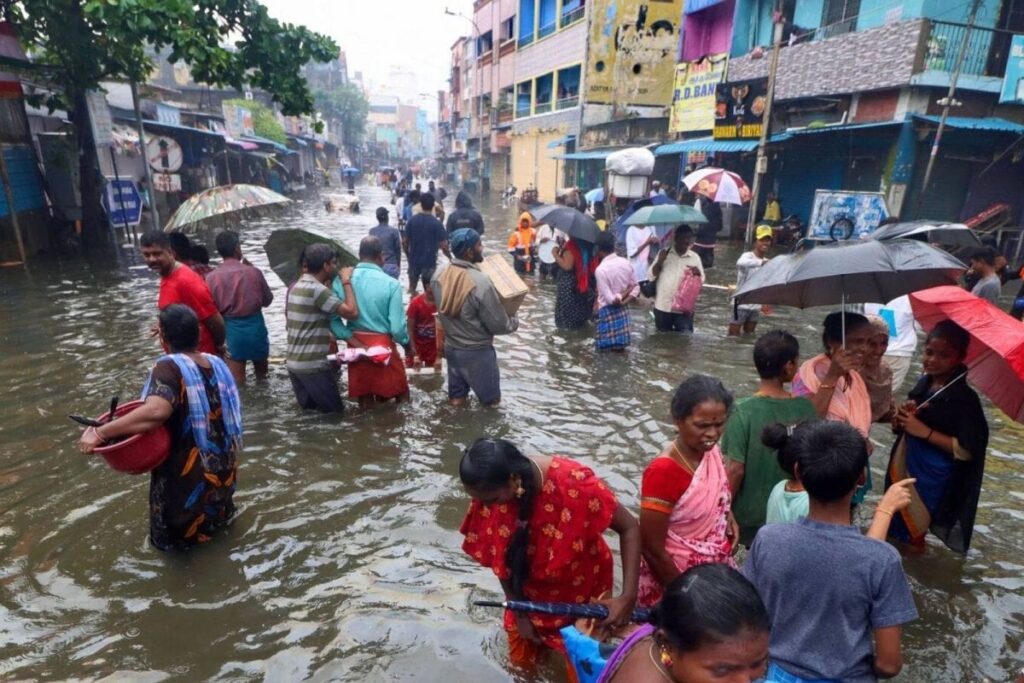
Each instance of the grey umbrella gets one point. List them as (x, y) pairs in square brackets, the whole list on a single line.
[(946, 234), (866, 271), (570, 221)]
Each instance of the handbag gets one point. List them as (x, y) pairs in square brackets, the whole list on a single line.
[(649, 288), (685, 298)]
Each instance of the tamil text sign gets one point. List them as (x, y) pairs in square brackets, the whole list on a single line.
[(739, 109), (633, 49), (1013, 81), (693, 98), (122, 201)]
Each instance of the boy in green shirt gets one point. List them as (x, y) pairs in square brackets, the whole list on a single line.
[(752, 467)]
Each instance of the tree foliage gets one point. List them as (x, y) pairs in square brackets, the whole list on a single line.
[(264, 121), (348, 105)]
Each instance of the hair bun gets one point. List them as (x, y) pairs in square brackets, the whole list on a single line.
[(775, 435)]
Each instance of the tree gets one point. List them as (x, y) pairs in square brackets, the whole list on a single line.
[(264, 122), (348, 105), (225, 42)]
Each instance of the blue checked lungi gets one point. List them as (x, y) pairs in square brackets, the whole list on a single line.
[(612, 327)]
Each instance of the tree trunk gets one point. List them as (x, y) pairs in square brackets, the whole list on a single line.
[(94, 230)]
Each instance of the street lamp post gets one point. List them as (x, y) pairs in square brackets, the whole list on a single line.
[(479, 100)]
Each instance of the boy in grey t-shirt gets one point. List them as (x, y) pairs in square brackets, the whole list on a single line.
[(836, 599), (990, 286)]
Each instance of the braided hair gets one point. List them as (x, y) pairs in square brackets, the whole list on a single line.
[(490, 464)]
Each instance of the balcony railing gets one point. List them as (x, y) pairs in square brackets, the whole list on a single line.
[(547, 29), (522, 111), (567, 102), (986, 55), (573, 16), (542, 107)]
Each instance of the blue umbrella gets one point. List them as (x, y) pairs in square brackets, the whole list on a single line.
[(351, 170), (563, 609), (595, 195), (620, 224)]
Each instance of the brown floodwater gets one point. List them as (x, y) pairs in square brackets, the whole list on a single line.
[(344, 562)]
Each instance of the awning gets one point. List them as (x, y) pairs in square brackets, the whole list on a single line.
[(707, 144), (247, 146), (990, 123), (561, 142), (697, 5), (811, 130), (299, 141), (590, 155), (160, 125), (264, 141)]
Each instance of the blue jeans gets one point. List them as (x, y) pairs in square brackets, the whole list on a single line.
[(475, 369)]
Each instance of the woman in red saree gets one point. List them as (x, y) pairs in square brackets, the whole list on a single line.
[(538, 523), (685, 517)]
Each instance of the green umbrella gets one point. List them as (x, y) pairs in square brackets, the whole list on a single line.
[(666, 214), (219, 205), (285, 247)]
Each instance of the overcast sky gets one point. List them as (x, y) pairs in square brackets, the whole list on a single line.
[(378, 35)]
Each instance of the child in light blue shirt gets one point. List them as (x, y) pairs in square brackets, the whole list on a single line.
[(788, 502)]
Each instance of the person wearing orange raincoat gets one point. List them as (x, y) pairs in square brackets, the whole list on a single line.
[(522, 245)]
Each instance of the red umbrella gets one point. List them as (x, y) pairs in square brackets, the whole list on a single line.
[(995, 358)]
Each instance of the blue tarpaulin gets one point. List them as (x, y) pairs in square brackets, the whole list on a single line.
[(989, 123)]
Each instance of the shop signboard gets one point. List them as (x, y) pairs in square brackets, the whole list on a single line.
[(693, 99), (167, 182), (122, 201), (739, 109), (99, 117), (839, 215), (1013, 80), (238, 120)]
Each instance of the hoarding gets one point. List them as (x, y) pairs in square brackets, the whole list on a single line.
[(1013, 80), (693, 98), (739, 109), (633, 50)]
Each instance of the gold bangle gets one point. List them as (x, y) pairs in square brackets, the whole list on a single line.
[(826, 386), (884, 512)]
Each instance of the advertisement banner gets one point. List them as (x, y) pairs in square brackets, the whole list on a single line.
[(841, 215), (238, 120), (633, 50), (693, 98), (739, 109), (1013, 80)]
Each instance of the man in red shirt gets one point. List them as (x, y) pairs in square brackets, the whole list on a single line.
[(179, 284)]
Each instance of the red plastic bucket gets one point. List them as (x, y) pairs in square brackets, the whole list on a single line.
[(139, 453)]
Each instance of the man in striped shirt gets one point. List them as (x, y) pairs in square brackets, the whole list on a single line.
[(308, 316)]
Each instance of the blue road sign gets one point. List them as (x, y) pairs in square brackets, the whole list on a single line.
[(122, 201)]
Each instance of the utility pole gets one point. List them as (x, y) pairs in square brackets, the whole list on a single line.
[(761, 166), (964, 44), (154, 215)]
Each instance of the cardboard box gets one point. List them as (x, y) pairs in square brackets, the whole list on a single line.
[(511, 288)]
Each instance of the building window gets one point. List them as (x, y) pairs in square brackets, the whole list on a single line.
[(527, 21), (572, 11), (547, 12), (508, 29), (484, 44), (545, 94), (839, 16), (568, 87), (524, 97)]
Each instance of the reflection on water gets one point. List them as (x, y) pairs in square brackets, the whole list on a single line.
[(344, 563)]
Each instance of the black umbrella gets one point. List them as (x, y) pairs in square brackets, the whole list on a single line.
[(570, 221), (563, 609), (285, 247), (866, 271)]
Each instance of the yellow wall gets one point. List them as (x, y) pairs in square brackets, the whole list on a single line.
[(532, 163)]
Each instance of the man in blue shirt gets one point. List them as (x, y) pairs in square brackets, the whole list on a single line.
[(390, 241), (424, 235), (381, 324)]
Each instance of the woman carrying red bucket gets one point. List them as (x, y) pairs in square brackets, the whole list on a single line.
[(194, 398)]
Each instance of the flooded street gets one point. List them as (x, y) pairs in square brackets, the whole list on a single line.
[(345, 561)]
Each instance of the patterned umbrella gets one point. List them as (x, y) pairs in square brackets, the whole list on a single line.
[(718, 185), (211, 207), (562, 609)]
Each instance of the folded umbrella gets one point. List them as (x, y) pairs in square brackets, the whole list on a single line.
[(850, 272), (563, 609), (995, 357), (570, 221), (285, 247), (946, 234)]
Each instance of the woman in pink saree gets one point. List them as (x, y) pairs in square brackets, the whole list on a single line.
[(684, 508)]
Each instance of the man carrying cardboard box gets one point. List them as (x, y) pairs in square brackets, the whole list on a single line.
[(471, 315)]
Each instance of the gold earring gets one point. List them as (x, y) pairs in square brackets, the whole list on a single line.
[(666, 658), (520, 491)]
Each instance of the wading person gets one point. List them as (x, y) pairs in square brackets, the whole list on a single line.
[(942, 445), (616, 287), (668, 272), (538, 524), (181, 285), (837, 600), (464, 215), (522, 245), (710, 625), (471, 315), (241, 293), (574, 277), (390, 241), (424, 235), (745, 316), (195, 396), (424, 337), (684, 495), (308, 312), (753, 468), (381, 322)]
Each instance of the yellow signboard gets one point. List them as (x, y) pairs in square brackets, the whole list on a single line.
[(693, 98), (633, 50)]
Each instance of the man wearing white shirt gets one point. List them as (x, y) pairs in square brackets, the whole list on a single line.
[(639, 240), (902, 336), (668, 270)]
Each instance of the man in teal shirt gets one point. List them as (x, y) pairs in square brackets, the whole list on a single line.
[(381, 323)]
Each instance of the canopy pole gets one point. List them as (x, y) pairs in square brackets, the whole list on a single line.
[(761, 165), (154, 215)]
